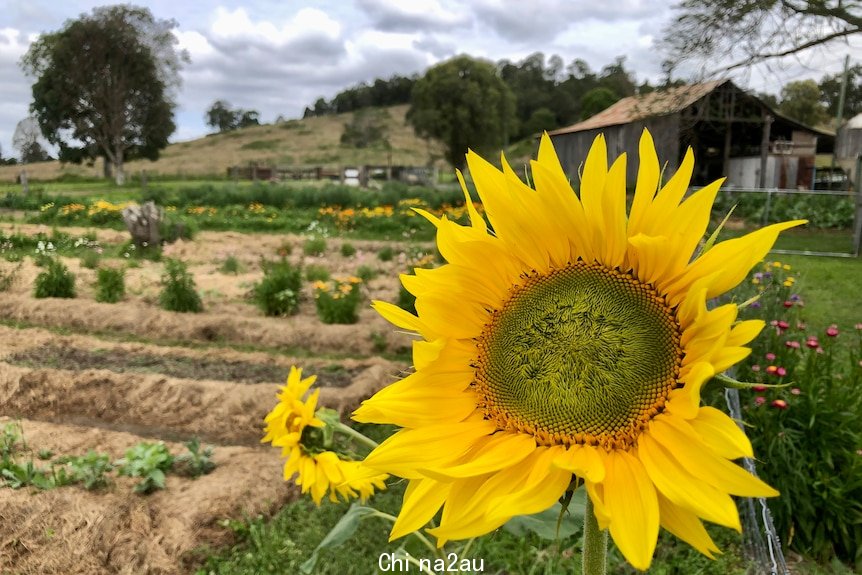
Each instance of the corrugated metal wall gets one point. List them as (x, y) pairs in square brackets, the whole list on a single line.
[(572, 148)]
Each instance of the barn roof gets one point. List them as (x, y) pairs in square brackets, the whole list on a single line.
[(634, 108)]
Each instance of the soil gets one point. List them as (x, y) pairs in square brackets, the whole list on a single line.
[(83, 375)]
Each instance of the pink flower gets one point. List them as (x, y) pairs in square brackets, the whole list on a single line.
[(812, 342), (770, 356), (796, 391), (783, 324), (759, 388), (793, 344), (858, 326), (774, 323), (781, 372), (788, 303), (832, 330), (779, 404), (755, 367), (759, 400)]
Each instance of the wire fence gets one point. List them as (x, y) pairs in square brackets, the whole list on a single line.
[(837, 213)]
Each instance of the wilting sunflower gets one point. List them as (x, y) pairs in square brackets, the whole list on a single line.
[(294, 426), (570, 344)]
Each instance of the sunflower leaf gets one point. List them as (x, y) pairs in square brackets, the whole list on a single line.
[(341, 532), (714, 236), (549, 524)]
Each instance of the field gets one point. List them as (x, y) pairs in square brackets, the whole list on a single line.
[(76, 374), (84, 375)]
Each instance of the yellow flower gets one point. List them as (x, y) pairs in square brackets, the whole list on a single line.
[(291, 425), (787, 267), (572, 343)]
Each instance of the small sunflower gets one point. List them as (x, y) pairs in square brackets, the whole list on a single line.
[(570, 345), (294, 425)]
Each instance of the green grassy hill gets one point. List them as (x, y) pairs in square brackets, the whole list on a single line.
[(308, 142)]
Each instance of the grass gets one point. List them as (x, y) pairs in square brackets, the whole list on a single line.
[(830, 287), (311, 141)]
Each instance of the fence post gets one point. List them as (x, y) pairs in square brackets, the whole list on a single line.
[(857, 216), (765, 219)]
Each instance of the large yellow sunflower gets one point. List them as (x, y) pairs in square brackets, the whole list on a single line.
[(294, 426), (571, 342)]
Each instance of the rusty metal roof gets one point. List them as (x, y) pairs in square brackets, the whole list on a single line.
[(633, 108)]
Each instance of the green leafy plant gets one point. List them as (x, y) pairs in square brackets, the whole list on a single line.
[(386, 254), (90, 469), (278, 292), (314, 273), (366, 273), (347, 250), (9, 277), (11, 438), (196, 461), (55, 281), (808, 431), (314, 246), (150, 462), (90, 260), (179, 292), (110, 285), (338, 301), (231, 265)]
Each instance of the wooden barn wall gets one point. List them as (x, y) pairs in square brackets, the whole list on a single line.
[(572, 148)]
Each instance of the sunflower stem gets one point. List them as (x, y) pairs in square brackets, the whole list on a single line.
[(595, 553), (349, 431)]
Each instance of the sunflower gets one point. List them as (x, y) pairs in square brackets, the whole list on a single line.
[(294, 426), (570, 345)]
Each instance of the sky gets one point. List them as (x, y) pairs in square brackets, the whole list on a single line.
[(278, 57)]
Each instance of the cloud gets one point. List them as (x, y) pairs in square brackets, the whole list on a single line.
[(543, 20), (15, 92), (414, 16)]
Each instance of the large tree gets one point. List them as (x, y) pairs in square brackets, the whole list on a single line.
[(463, 103), (801, 101), (104, 85), (745, 32)]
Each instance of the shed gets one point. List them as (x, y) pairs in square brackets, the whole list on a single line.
[(732, 133), (848, 144)]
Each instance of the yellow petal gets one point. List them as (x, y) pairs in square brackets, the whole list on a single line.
[(582, 460), (674, 482), (422, 499), (678, 437), (633, 506), (411, 449), (721, 433), (647, 183), (685, 525)]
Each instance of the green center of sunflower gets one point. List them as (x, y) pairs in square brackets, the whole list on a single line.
[(583, 354)]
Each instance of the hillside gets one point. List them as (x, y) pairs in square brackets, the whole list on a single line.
[(308, 142)]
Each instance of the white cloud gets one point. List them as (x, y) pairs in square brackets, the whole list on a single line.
[(414, 16)]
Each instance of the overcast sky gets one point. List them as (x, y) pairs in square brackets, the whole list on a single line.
[(279, 56)]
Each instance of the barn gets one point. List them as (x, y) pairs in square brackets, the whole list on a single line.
[(732, 133)]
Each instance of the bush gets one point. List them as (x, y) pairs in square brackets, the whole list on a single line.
[(55, 281), (278, 292), (314, 273), (90, 260), (347, 250), (315, 246), (110, 285), (386, 254), (231, 265), (150, 462), (338, 301), (179, 292), (366, 273)]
